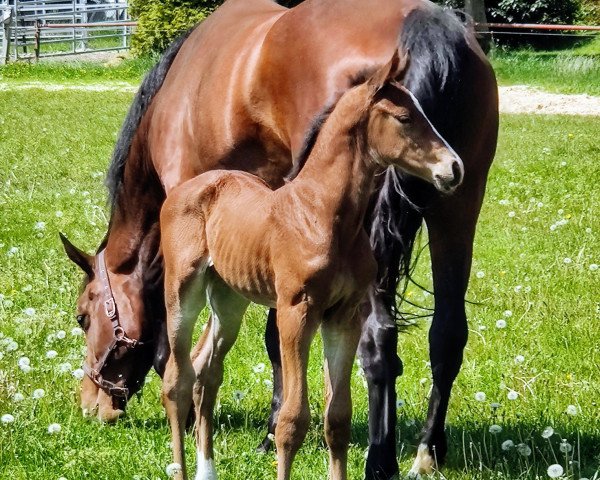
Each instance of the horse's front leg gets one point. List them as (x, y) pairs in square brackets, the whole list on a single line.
[(451, 245), (272, 344), (297, 327), (340, 340)]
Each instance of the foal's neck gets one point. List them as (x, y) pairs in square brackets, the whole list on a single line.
[(339, 173)]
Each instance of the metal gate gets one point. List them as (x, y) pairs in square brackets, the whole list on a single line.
[(44, 28)]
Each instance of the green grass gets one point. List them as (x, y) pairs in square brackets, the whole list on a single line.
[(54, 148), (563, 71)]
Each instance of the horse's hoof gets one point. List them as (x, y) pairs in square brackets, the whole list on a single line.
[(423, 464)]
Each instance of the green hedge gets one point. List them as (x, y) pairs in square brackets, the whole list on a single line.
[(162, 21)]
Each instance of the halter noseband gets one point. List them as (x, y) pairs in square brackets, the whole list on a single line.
[(120, 338)]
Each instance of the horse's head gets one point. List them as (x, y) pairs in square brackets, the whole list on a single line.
[(399, 133), (110, 310)]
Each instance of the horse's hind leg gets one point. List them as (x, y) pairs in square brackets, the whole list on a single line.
[(184, 293), (272, 344), (227, 311), (297, 327), (340, 340), (451, 244)]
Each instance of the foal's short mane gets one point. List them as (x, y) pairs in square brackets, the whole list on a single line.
[(148, 89)]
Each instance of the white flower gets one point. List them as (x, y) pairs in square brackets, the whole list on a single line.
[(571, 410), (30, 311), (565, 447), (501, 324), (53, 428), (507, 445), (172, 469), (480, 274), (65, 367), (18, 397), (38, 393), (61, 334), (259, 368), (23, 361), (39, 225), (480, 396), (594, 267), (78, 373), (76, 332), (548, 432), (495, 429), (555, 471), (7, 418), (507, 313), (524, 449), (50, 354), (512, 395), (567, 260), (519, 359), (238, 395)]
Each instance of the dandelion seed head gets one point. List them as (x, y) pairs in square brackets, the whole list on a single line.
[(555, 471), (480, 274), (61, 334), (512, 395), (495, 405), (51, 354), (259, 368), (567, 260), (524, 449), (507, 445), (78, 373), (173, 469), (571, 410), (30, 311), (548, 432), (593, 267), (519, 359), (495, 429), (38, 393), (54, 428), (7, 418), (501, 324), (76, 331), (39, 226), (480, 396), (25, 368), (238, 395), (565, 447), (18, 397), (400, 403), (511, 214), (507, 313), (23, 361)]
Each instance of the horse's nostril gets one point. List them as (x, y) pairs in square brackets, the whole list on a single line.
[(456, 173)]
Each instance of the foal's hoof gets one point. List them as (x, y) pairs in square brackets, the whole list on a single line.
[(266, 445), (423, 464)]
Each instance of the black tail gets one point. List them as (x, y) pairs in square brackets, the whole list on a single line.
[(436, 41), (150, 86)]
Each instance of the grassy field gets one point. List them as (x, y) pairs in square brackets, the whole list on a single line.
[(535, 268)]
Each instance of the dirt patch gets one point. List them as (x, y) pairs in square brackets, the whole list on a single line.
[(524, 99)]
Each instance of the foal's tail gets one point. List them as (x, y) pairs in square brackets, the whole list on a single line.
[(436, 40)]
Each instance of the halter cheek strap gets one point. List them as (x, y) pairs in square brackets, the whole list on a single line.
[(120, 338)]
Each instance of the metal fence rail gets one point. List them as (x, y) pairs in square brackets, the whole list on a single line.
[(46, 28)]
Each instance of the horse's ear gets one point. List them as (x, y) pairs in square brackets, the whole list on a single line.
[(80, 258), (395, 69)]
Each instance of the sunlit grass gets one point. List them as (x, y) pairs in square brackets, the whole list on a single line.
[(541, 209)]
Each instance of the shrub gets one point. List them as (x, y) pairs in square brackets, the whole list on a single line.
[(536, 11), (162, 21)]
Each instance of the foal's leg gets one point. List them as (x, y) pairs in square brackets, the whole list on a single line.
[(340, 339), (227, 311), (184, 293), (451, 246), (297, 327), (272, 344)]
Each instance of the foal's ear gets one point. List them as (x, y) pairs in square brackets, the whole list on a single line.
[(80, 258), (395, 69)]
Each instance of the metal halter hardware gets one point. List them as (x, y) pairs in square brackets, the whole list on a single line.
[(120, 338)]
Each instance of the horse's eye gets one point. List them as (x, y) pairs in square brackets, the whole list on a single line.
[(81, 320), (404, 119)]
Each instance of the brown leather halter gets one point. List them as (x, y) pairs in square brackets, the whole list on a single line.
[(120, 338)]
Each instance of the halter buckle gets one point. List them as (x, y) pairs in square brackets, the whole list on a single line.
[(110, 308)]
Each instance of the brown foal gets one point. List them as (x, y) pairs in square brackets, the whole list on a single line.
[(227, 237)]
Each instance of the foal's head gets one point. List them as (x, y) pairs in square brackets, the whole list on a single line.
[(120, 370), (400, 134)]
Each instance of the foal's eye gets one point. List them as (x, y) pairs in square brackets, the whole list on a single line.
[(404, 119), (81, 320)]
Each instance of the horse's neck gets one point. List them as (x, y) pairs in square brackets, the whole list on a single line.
[(340, 175)]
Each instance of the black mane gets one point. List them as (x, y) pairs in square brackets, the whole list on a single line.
[(436, 41), (148, 89)]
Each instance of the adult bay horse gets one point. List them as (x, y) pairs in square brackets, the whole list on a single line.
[(247, 90)]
